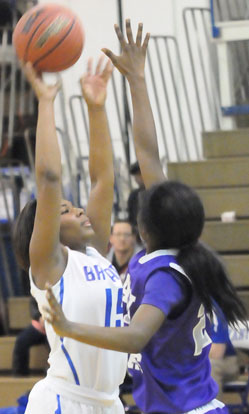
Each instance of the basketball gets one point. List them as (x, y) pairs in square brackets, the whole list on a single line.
[(49, 36)]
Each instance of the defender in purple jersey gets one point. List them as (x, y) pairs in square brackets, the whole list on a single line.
[(171, 286), (174, 364)]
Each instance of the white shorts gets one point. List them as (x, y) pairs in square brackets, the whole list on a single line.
[(42, 400)]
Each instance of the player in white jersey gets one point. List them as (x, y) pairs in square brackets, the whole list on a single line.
[(53, 239)]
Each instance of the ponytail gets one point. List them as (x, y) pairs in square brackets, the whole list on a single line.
[(22, 234), (173, 216), (210, 281)]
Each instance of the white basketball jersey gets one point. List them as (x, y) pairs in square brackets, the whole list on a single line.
[(89, 291)]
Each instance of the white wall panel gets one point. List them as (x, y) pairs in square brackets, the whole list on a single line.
[(160, 17)]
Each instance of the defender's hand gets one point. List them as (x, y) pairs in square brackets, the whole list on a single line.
[(131, 62), (94, 85)]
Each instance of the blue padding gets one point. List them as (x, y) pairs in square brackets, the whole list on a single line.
[(215, 29), (12, 265), (235, 110), (4, 285), (8, 171)]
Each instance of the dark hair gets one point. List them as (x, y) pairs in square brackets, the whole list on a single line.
[(173, 215), (22, 233), (135, 168), (118, 220)]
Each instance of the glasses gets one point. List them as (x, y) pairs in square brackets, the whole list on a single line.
[(125, 235)]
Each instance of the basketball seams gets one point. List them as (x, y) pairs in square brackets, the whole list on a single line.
[(32, 37), (55, 46)]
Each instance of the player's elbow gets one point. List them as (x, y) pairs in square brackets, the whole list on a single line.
[(104, 178), (48, 175), (137, 342)]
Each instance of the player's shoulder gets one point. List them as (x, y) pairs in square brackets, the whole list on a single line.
[(91, 257), (134, 261), (162, 258), (165, 260), (90, 252)]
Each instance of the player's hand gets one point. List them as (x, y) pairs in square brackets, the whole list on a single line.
[(54, 314), (131, 62), (41, 89), (94, 85)]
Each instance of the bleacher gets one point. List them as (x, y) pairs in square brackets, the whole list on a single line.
[(11, 387)]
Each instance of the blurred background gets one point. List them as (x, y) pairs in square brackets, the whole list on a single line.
[(197, 76)]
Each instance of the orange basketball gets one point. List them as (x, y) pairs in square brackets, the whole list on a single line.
[(49, 36)]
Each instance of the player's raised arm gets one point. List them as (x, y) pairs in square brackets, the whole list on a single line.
[(46, 258), (99, 208), (131, 64)]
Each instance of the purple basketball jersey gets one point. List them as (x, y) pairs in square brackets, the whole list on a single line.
[(172, 374)]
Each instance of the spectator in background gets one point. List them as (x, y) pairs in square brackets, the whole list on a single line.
[(223, 357), (132, 203), (123, 245), (34, 334)]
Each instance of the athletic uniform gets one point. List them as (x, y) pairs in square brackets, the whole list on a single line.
[(172, 374), (82, 378), (220, 333), (226, 367)]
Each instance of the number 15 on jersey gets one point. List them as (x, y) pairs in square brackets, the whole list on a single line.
[(114, 307)]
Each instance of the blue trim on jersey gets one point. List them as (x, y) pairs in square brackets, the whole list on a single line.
[(215, 29), (58, 411), (61, 290), (70, 362), (108, 307)]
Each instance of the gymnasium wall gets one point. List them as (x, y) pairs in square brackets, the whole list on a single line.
[(160, 17)]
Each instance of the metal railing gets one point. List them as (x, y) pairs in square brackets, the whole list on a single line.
[(80, 141), (184, 91), (230, 11), (16, 96), (176, 127), (203, 67), (15, 191)]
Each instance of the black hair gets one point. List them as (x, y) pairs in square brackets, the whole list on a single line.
[(22, 233), (173, 216), (135, 168)]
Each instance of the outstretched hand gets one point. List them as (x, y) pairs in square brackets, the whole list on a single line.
[(54, 314), (94, 85), (131, 62), (41, 89)]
